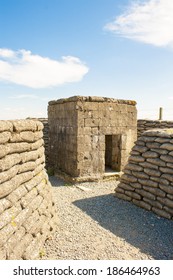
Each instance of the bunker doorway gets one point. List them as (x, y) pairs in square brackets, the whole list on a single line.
[(112, 153)]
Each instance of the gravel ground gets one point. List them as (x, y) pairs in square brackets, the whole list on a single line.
[(95, 225)]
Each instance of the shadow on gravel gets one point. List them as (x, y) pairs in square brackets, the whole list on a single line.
[(56, 182), (153, 235)]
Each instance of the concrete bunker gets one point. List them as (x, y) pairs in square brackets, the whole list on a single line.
[(87, 135)]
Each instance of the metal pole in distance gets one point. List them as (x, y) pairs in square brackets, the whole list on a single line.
[(160, 114)]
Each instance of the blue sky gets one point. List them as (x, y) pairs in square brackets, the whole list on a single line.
[(51, 49)]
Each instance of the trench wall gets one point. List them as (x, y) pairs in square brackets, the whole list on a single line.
[(148, 177), (44, 121), (144, 125), (27, 212)]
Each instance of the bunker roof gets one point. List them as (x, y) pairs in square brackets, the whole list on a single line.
[(92, 99)]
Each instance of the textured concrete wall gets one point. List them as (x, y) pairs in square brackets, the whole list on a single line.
[(27, 213), (148, 177), (78, 127), (144, 125)]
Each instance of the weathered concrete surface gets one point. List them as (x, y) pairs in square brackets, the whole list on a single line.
[(87, 133)]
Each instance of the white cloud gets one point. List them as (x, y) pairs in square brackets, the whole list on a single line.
[(21, 96), (24, 68), (149, 21), (6, 53)]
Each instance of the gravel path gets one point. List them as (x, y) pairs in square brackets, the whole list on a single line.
[(94, 225)]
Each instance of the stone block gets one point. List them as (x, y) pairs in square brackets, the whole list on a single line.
[(91, 122)]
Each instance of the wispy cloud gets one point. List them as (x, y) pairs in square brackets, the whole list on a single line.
[(29, 96), (149, 21), (22, 96), (27, 69)]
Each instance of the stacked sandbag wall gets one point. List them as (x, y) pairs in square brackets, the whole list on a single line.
[(45, 137), (27, 212), (148, 177), (144, 125)]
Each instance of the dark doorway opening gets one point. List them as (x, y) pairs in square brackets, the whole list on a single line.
[(113, 152)]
